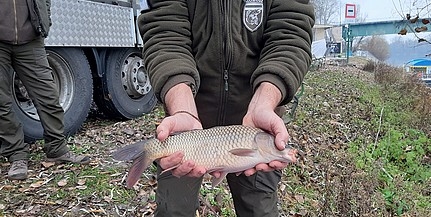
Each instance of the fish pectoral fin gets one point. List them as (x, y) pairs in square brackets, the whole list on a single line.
[(170, 168), (216, 181), (129, 152), (139, 165), (244, 152)]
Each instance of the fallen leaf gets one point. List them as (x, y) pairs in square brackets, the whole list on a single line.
[(7, 187), (47, 164), (107, 199), (299, 198), (20, 211), (83, 187), (37, 184), (335, 146), (81, 182), (282, 187), (62, 183)]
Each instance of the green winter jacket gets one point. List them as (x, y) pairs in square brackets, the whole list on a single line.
[(225, 48), (24, 20), (41, 16)]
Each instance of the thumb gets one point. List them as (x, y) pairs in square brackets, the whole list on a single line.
[(280, 143), (164, 129), (281, 136)]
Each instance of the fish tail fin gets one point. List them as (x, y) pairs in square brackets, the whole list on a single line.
[(141, 160), (140, 164), (129, 152)]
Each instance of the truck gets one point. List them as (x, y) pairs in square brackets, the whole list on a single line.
[(95, 51)]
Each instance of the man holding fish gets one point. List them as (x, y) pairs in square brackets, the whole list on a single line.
[(222, 63)]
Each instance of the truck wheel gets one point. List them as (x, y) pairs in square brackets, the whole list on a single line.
[(125, 91), (72, 74)]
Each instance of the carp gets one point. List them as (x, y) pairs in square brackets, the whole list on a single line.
[(226, 149)]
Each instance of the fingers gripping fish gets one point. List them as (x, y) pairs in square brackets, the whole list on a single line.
[(227, 149)]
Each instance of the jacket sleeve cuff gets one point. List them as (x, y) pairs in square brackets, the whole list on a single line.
[(178, 79), (286, 95)]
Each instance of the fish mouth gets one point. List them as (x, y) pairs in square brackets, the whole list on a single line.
[(295, 151)]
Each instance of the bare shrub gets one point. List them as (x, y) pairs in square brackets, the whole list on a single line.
[(408, 88), (370, 66)]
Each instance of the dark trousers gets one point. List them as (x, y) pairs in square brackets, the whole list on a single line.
[(30, 63), (253, 196)]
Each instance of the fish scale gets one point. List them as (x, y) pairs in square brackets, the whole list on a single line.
[(198, 144), (226, 149)]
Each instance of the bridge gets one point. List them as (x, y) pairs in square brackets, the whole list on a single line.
[(383, 27), (351, 30)]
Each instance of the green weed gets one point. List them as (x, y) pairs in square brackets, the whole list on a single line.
[(400, 146)]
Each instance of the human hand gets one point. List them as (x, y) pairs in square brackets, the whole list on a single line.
[(179, 168), (270, 122), (180, 104), (179, 122), (261, 114)]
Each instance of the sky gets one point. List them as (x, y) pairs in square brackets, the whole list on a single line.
[(381, 10)]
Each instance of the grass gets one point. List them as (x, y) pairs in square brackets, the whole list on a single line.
[(364, 137), (402, 143), (371, 141)]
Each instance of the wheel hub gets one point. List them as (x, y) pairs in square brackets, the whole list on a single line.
[(134, 77)]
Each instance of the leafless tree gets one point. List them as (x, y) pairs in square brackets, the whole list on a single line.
[(360, 16), (417, 18), (413, 8), (326, 11), (377, 46)]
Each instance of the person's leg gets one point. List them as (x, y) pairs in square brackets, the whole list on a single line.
[(256, 195), (12, 144), (177, 196), (31, 66)]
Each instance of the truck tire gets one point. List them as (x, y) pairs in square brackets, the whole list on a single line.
[(72, 73), (125, 91)]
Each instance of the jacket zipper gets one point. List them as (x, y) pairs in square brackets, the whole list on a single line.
[(227, 58), (16, 22), (226, 78)]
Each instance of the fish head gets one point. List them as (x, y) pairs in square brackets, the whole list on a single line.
[(265, 143)]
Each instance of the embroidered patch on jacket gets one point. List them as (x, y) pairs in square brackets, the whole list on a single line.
[(252, 15)]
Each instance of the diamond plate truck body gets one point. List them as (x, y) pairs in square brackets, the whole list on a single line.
[(95, 52)]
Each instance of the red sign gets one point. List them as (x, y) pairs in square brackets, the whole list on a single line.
[(351, 11)]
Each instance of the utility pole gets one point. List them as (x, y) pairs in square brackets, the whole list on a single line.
[(347, 35)]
